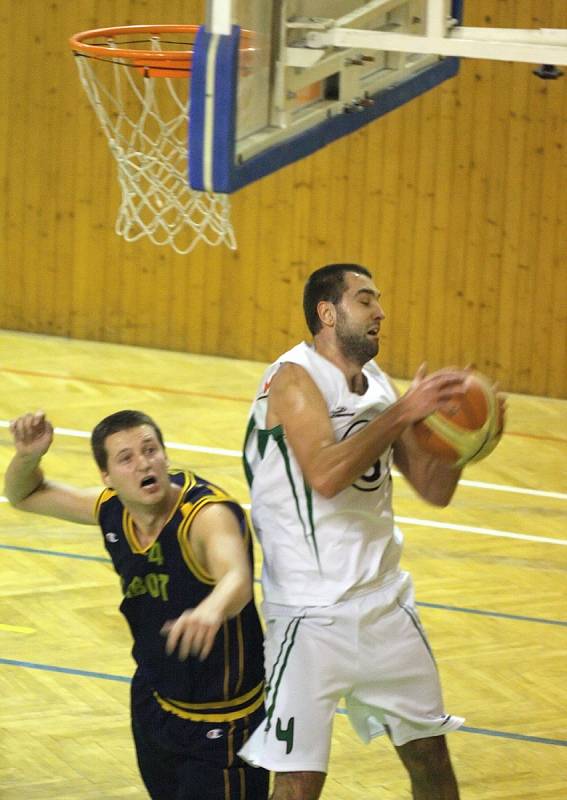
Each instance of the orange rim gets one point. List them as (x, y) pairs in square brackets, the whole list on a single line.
[(180, 58), (159, 62)]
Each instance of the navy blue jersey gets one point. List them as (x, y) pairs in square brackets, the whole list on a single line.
[(161, 581)]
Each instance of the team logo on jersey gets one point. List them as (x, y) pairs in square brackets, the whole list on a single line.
[(111, 537), (340, 411), (215, 733), (375, 476)]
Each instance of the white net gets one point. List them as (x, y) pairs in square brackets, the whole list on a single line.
[(145, 118)]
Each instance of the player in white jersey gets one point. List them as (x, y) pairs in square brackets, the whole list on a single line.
[(324, 431), (316, 548)]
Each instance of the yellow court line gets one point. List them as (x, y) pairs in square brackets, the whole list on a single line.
[(16, 629)]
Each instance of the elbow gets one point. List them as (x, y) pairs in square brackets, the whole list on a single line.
[(441, 502), (326, 486), (439, 499), (19, 505), (14, 500), (328, 492)]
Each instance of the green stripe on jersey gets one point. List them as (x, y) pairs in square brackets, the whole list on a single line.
[(285, 651)]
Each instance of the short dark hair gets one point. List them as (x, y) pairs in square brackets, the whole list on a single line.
[(120, 421), (326, 283)]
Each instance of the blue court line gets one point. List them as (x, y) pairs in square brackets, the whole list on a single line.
[(59, 553), (504, 615), (84, 673), (518, 736), (423, 604)]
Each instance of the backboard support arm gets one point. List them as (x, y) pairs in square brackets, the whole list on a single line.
[(327, 77), (538, 46)]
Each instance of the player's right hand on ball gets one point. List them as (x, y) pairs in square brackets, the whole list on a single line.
[(33, 434), (428, 393)]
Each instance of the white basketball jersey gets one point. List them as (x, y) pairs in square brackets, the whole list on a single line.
[(318, 550)]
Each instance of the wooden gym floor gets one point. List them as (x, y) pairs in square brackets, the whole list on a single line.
[(490, 573)]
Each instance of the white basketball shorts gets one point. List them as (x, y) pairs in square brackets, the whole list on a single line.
[(369, 649)]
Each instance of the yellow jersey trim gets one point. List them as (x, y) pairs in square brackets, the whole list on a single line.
[(105, 495), (187, 551), (190, 512), (182, 709), (128, 522), (235, 701)]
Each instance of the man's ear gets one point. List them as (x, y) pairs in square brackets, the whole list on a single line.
[(106, 479), (327, 313)]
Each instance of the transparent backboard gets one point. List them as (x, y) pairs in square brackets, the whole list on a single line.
[(261, 97)]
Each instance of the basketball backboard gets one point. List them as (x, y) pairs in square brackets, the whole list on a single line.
[(261, 99)]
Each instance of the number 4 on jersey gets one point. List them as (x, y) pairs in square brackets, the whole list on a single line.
[(285, 734), (155, 555)]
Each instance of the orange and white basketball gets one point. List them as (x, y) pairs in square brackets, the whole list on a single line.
[(467, 428)]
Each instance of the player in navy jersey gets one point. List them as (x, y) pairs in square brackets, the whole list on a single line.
[(183, 551)]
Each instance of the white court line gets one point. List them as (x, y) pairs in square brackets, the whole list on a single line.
[(218, 451), (428, 523), (193, 448), (425, 523), (500, 487)]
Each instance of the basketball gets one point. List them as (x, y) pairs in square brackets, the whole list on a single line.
[(467, 428)]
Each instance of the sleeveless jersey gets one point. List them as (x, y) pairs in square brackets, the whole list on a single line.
[(318, 550), (161, 581)]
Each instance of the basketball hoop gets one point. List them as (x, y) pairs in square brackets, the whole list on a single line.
[(137, 80)]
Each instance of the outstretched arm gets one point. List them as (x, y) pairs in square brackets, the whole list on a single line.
[(25, 485), (220, 549), (330, 466)]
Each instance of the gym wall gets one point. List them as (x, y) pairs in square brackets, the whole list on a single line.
[(456, 201)]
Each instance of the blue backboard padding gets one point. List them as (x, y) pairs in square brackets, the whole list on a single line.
[(315, 138), (223, 114), (197, 107), (225, 109), (227, 176)]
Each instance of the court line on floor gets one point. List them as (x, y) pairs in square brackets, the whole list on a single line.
[(482, 613), (453, 526), (16, 628), (219, 451), (192, 393), (121, 385), (524, 737), (59, 553), (424, 604), (83, 673)]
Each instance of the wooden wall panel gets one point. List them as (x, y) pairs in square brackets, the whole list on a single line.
[(456, 201)]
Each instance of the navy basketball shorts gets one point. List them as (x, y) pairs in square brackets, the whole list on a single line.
[(181, 759)]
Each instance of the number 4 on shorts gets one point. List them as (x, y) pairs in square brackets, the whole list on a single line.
[(285, 734)]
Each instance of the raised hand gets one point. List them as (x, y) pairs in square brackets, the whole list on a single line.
[(33, 434)]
